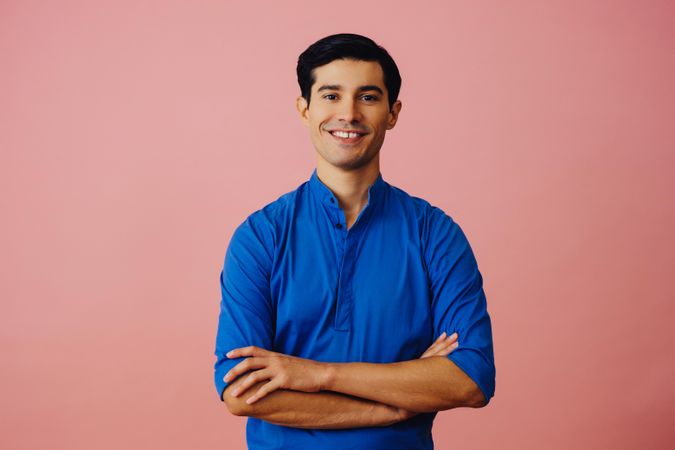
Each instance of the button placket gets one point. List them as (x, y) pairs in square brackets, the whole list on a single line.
[(346, 245), (346, 242), (344, 305)]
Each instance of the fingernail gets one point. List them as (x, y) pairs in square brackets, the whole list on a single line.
[(228, 354), (455, 345), (234, 393), (443, 334)]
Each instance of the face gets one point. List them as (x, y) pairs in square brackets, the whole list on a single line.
[(348, 114)]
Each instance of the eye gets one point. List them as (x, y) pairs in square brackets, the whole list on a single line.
[(329, 95), (370, 98)]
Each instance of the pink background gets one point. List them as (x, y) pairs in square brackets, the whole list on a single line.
[(136, 135)]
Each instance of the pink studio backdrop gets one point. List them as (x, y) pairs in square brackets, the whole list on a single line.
[(136, 135)]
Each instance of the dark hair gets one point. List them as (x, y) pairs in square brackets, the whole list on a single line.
[(346, 46)]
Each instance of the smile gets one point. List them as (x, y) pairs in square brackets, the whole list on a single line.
[(347, 137)]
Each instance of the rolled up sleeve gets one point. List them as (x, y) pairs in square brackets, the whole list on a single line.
[(459, 303), (246, 313)]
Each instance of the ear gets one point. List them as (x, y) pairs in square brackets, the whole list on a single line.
[(303, 109), (393, 114)]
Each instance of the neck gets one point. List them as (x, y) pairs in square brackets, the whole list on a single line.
[(349, 186)]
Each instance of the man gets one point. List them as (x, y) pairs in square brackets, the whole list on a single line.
[(332, 295)]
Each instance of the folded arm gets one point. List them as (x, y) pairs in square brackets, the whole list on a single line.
[(402, 388), (323, 409), (420, 385), (327, 410)]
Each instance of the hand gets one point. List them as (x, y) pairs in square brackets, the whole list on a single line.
[(443, 346), (283, 371)]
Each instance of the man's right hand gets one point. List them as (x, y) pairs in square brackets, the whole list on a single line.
[(442, 346)]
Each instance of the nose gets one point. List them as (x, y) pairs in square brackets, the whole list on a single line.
[(349, 111)]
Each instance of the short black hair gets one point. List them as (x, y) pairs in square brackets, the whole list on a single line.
[(346, 46)]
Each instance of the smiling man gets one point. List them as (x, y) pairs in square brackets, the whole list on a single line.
[(351, 311)]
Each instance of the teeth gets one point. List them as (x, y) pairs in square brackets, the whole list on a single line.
[(344, 134)]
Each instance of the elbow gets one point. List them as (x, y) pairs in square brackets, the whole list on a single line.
[(475, 398), (237, 405), (470, 396), (234, 404)]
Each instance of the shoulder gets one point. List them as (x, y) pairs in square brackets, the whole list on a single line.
[(429, 216), (263, 224), (441, 237)]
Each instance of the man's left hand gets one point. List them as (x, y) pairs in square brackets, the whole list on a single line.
[(283, 371)]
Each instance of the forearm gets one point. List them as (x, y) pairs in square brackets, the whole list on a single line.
[(327, 410), (420, 385)]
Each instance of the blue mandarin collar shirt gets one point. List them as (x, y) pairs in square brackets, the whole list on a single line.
[(295, 280)]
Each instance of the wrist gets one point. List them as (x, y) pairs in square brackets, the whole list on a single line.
[(385, 415), (328, 376)]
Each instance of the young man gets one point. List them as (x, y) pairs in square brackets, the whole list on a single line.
[(351, 312)]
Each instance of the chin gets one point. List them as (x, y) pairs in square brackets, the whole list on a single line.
[(344, 161), (349, 164)]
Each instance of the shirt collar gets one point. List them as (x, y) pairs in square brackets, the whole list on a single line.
[(326, 196)]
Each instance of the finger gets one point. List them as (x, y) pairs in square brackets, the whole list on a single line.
[(256, 362), (452, 338), (438, 341), (263, 391), (429, 352), (251, 350), (445, 348), (432, 352), (253, 378), (237, 370), (449, 349), (439, 352)]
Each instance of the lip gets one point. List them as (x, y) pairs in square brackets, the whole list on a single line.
[(348, 141), (346, 130)]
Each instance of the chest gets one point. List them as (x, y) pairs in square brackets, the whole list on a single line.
[(366, 293)]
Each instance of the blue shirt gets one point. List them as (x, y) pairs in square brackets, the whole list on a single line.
[(295, 280)]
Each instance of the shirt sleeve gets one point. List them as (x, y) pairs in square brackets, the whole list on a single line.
[(246, 312), (459, 303)]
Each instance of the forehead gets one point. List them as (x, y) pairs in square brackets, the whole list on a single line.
[(349, 73)]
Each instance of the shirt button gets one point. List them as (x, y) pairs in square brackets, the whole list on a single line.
[(339, 225), (332, 200)]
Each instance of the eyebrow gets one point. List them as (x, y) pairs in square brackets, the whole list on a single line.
[(337, 87)]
